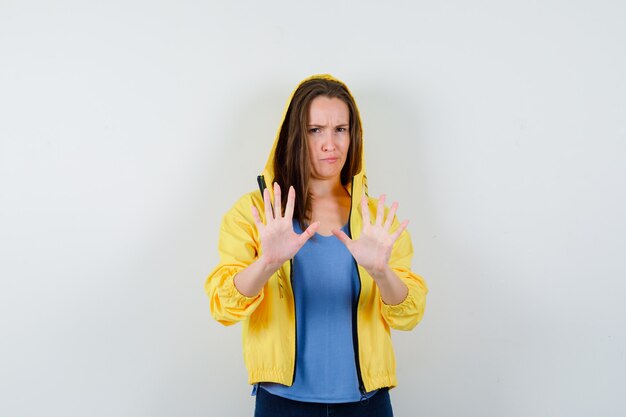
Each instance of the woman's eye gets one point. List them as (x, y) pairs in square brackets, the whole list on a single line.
[(341, 129), (314, 130)]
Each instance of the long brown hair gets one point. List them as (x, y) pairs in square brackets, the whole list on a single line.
[(292, 166)]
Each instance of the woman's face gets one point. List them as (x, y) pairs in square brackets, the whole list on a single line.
[(328, 136)]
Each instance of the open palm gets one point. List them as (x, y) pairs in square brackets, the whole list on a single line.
[(373, 248), (279, 242)]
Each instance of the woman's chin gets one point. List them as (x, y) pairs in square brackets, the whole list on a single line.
[(326, 175)]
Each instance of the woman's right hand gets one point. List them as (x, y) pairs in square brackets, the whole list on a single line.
[(279, 242)]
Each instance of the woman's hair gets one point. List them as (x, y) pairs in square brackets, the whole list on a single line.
[(292, 166)]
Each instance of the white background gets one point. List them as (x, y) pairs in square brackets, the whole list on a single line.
[(128, 128)]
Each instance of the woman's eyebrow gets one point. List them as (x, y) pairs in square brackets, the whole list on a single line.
[(324, 125)]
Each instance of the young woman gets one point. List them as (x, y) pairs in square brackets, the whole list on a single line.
[(317, 271)]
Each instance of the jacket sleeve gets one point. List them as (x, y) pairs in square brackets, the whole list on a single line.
[(407, 314), (238, 247)]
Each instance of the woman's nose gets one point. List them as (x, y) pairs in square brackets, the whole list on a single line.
[(329, 142)]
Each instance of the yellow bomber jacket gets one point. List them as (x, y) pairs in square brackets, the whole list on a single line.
[(268, 319)]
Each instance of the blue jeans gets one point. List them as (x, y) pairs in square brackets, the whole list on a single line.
[(269, 405)]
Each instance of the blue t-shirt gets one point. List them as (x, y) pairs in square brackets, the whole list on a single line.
[(326, 287)]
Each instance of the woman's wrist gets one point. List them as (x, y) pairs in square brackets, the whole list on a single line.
[(392, 289), (268, 266), (381, 274), (251, 280)]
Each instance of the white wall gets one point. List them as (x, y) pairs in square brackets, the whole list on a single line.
[(128, 128)]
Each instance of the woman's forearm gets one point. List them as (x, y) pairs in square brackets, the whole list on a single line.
[(392, 290), (251, 280)]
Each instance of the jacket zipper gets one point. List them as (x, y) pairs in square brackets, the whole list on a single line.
[(355, 339), (355, 330), (295, 325), (262, 186)]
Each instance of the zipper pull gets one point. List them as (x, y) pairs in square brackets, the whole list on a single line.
[(364, 400)]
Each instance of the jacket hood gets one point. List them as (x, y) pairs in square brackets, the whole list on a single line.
[(359, 181)]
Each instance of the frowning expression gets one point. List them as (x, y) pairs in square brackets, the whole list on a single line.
[(328, 136)]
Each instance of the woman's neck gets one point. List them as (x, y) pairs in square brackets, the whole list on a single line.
[(323, 188), (330, 205)]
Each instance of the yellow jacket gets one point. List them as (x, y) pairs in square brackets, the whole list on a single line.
[(269, 323)]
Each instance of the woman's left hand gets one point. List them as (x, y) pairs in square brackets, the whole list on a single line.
[(373, 249)]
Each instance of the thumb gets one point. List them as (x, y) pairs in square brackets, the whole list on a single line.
[(342, 236), (308, 233)]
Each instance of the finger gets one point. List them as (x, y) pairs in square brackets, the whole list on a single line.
[(255, 215), (291, 201), (308, 233), (278, 211), (268, 205), (342, 236), (399, 231), (380, 211), (365, 212), (390, 215)]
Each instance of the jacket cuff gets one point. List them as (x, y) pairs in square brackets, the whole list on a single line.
[(230, 291), (406, 305)]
